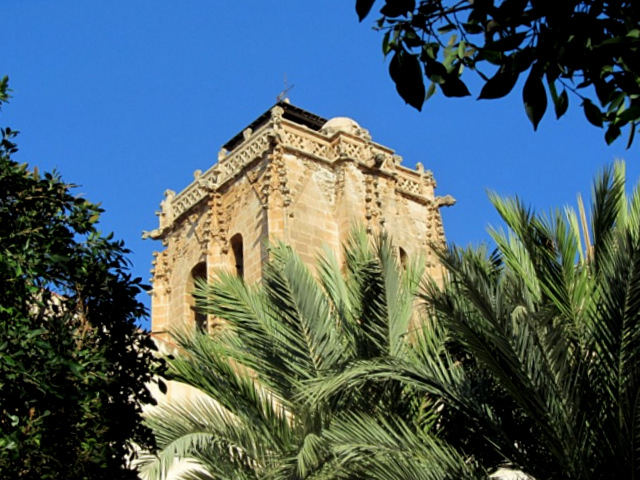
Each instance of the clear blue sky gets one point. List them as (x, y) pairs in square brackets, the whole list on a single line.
[(128, 98)]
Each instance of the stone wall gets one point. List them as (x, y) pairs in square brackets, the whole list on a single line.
[(295, 177)]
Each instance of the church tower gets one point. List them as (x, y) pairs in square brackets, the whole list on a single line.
[(293, 176)]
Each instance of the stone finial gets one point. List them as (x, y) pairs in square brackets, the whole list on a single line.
[(166, 208), (165, 215), (222, 154), (429, 179), (197, 174), (165, 204), (169, 195), (419, 168), (276, 113), (396, 159), (246, 133)]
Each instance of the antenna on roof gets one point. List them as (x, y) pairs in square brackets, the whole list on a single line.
[(282, 97)]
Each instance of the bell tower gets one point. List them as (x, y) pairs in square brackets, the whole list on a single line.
[(294, 176)]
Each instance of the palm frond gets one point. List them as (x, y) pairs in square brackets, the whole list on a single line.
[(211, 366), (199, 430), (388, 450), (291, 330), (309, 333), (608, 207)]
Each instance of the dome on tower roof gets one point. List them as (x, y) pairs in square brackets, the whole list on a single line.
[(341, 124)]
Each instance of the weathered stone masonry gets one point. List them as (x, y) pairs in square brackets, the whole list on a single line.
[(293, 176)]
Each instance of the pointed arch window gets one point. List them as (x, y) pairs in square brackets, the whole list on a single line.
[(198, 273), (237, 253)]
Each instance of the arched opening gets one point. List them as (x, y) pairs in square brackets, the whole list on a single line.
[(198, 273), (403, 257), (238, 254)]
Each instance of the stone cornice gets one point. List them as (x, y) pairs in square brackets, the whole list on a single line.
[(332, 150)]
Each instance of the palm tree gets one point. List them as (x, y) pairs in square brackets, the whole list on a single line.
[(253, 418), (533, 352)]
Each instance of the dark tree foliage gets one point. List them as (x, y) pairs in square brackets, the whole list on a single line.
[(587, 48), (73, 364)]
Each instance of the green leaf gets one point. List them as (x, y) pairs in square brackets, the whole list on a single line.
[(435, 71), (386, 48), (398, 8), (462, 49), (611, 134), (593, 113), (363, 7), (430, 91), (630, 114), (534, 97), (472, 28), (410, 38), (632, 134), (429, 51), (495, 58), (617, 100), (15, 420), (7, 360), (454, 87), (561, 104), (447, 28), (405, 71), (604, 91), (521, 60), (499, 85)]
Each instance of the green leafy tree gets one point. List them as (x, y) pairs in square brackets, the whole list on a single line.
[(534, 349), (587, 48), (73, 363), (253, 419)]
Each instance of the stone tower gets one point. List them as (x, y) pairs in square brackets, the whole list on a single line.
[(294, 176)]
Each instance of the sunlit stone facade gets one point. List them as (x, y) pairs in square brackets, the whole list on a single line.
[(293, 176)]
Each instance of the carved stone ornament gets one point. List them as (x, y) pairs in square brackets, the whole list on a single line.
[(445, 201), (379, 160), (429, 179), (276, 114), (284, 162)]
